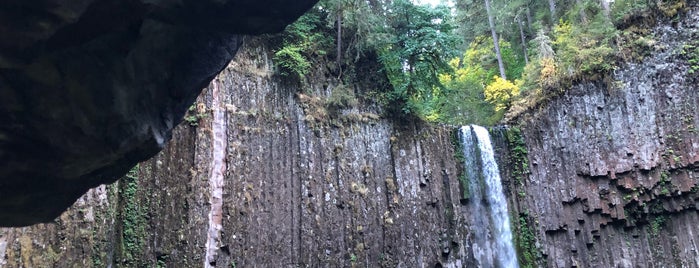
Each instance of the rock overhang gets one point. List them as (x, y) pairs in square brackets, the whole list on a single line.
[(88, 88)]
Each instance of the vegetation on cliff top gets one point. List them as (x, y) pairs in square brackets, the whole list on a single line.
[(472, 61)]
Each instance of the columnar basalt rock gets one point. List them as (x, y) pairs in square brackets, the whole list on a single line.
[(614, 165), (299, 187), (604, 175), (89, 88)]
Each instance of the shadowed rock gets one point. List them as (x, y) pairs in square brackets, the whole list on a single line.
[(88, 88)]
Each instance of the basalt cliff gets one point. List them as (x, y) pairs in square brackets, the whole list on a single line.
[(611, 177), (266, 172)]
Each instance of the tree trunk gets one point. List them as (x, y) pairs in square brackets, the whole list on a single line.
[(583, 15), (375, 7), (605, 9), (529, 18), (524, 40), (552, 9), (495, 40), (339, 40)]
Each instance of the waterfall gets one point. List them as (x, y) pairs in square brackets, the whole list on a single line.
[(492, 235)]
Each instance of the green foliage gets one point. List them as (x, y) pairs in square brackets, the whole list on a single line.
[(309, 32), (302, 40), (525, 243), (462, 99), (690, 52), (160, 262), (361, 26), (656, 224), (416, 46), (664, 183), (291, 62), (583, 50), (193, 115), (634, 44), (623, 11), (500, 93), (133, 219), (418, 50), (518, 152), (571, 51), (342, 97), (412, 43), (672, 7)]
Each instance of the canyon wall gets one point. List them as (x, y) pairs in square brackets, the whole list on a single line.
[(271, 173), (613, 166), (267, 173)]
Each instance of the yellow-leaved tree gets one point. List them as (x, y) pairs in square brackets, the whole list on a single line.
[(501, 93)]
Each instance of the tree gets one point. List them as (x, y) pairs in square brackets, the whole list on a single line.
[(471, 19), (501, 93), (422, 42), (495, 40), (523, 39), (338, 40), (581, 10), (552, 9), (461, 100)]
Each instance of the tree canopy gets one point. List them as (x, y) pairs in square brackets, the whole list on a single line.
[(472, 61)]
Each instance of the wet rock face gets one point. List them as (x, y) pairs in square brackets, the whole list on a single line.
[(615, 166), (88, 88), (262, 175)]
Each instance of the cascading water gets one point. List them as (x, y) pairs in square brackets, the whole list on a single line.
[(492, 245)]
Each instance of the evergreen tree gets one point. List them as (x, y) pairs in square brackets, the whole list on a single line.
[(537, 45), (496, 44), (422, 43)]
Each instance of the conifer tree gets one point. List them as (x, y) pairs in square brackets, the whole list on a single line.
[(496, 44)]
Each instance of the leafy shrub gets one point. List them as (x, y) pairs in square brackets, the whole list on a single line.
[(547, 73), (291, 62), (690, 52), (624, 11), (671, 8), (583, 50), (342, 97), (500, 93), (302, 40), (461, 99)]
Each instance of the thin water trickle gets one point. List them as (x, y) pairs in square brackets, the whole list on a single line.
[(492, 234)]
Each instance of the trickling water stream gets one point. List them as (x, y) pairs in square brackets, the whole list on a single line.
[(492, 245)]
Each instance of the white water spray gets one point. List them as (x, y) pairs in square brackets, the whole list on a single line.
[(491, 225)]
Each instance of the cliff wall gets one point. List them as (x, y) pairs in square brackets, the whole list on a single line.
[(269, 173), (613, 166), (264, 173)]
